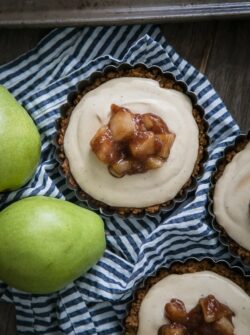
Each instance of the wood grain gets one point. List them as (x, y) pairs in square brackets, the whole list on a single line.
[(14, 42), (220, 50), (7, 319), (228, 68), (193, 41)]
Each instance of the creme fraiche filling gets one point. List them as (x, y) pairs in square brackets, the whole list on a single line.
[(232, 196), (141, 96), (190, 288)]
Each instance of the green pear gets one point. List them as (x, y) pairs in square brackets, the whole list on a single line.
[(20, 144), (46, 243)]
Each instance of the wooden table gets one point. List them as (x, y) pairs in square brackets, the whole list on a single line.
[(7, 319), (219, 49)]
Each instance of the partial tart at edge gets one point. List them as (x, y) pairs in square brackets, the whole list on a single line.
[(230, 152), (188, 267)]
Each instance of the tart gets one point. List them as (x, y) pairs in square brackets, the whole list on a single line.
[(230, 198), (126, 174), (197, 288)]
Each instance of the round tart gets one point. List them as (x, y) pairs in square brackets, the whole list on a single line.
[(131, 140), (230, 198), (212, 296)]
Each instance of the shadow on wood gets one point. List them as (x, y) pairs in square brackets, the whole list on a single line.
[(7, 319)]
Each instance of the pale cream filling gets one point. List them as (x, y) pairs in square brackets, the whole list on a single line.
[(232, 196), (190, 288), (140, 96)]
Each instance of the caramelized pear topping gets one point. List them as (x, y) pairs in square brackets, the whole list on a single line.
[(208, 317), (132, 143)]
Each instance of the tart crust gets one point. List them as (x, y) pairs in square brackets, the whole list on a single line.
[(131, 322), (165, 82), (234, 247)]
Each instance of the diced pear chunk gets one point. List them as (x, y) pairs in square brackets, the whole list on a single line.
[(224, 326), (120, 168), (173, 329), (175, 311), (153, 163), (143, 146), (167, 141), (121, 124), (104, 148)]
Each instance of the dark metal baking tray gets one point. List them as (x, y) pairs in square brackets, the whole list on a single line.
[(49, 13)]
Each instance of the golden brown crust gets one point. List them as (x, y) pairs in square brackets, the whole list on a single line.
[(235, 248), (164, 82), (132, 319)]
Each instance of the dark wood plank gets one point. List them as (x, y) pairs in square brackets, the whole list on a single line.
[(7, 319), (228, 68), (193, 40), (14, 42), (221, 50)]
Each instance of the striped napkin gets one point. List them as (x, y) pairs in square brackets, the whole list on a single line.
[(41, 79)]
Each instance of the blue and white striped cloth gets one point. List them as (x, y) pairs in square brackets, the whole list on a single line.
[(96, 302)]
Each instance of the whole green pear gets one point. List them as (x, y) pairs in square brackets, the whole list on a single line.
[(20, 144), (45, 243)]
